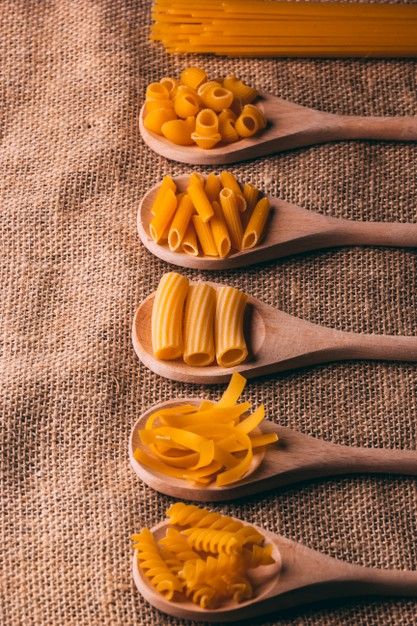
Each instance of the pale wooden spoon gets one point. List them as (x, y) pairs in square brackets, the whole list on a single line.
[(299, 576), (290, 230), (295, 457), (276, 342), (289, 126)]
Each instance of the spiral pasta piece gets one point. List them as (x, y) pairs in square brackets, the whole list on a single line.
[(231, 346), (215, 541), (177, 544), (199, 325), (167, 314), (153, 565), (228, 131)]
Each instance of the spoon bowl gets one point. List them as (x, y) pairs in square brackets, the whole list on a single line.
[(295, 457), (276, 342), (290, 230), (289, 126), (299, 576)]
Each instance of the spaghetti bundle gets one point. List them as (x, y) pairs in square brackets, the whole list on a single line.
[(265, 28)]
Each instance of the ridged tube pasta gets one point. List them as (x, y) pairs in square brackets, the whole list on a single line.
[(164, 212), (200, 308), (155, 119), (256, 224), (219, 231), (167, 316), (228, 200), (231, 346), (154, 566), (205, 236), (179, 131), (193, 77), (250, 193), (167, 183), (229, 180), (239, 89), (200, 201), (186, 105), (180, 222), (189, 242), (217, 98)]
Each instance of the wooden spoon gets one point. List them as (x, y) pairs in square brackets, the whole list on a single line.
[(276, 342), (289, 126), (290, 230), (294, 458), (299, 576)]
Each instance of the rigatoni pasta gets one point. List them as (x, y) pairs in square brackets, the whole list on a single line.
[(198, 322), (201, 112)]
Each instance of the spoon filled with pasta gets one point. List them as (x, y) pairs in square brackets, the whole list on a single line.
[(209, 451), (202, 565), (197, 332), (217, 222), (197, 120)]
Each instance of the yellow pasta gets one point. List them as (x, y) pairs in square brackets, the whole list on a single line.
[(154, 120), (177, 543), (208, 85), (207, 123), (157, 91), (200, 201), (247, 124), (250, 193), (228, 200), (169, 83), (231, 346), (189, 242), (167, 183), (154, 105), (200, 308), (212, 186), (193, 77), (239, 89), (256, 224), (219, 231), (217, 98), (215, 541), (186, 105), (228, 131), (205, 236), (167, 316), (251, 109), (229, 180), (179, 131), (163, 214), (206, 143), (154, 566), (180, 222)]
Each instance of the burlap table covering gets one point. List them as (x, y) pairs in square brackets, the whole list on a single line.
[(73, 168)]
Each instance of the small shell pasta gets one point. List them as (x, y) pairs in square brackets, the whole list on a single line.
[(157, 91), (179, 131), (247, 124), (169, 83), (193, 77), (167, 316), (231, 346), (239, 89), (186, 105), (217, 98), (206, 123), (154, 120), (200, 308), (256, 224), (214, 541)]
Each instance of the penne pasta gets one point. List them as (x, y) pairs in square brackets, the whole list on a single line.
[(164, 213), (200, 308), (213, 186), (204, 236), (167, 183), (167, 316), (180, 222), (232, 217), (250, 193), (200, 201), (256, 224), (219, 231), (229, 180), (189, 242), (231, 346)]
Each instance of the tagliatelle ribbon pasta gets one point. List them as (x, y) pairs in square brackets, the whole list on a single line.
[(205, 443)]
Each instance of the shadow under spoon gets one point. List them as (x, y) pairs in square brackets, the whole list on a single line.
[(299, 576), (295, 457), (290, 230), (290, 126), (276, 342)]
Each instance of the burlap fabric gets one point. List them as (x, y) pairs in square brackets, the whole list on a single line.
[(73, 168)]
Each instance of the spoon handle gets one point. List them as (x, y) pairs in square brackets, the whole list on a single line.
[(375, 460), (379, 347), (392, 582), (385, 128), (349, 232)]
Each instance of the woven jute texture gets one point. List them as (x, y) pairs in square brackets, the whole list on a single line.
[(73, 168)]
